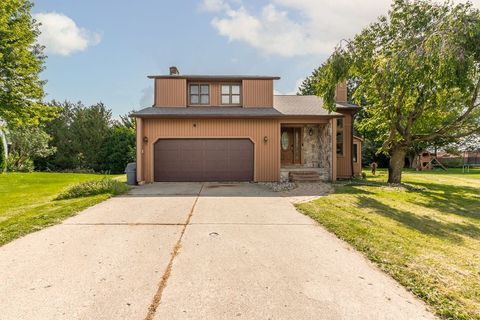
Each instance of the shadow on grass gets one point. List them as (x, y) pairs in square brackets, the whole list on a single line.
[(455, 200), (445, 230)]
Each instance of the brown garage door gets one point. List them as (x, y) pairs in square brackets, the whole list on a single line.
[(203, 160)]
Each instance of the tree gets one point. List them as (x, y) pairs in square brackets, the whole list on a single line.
[(418, 72), (27, 142), (21, 61), (308, 86), (78, 134), (63, 138), (118, 149), (91, 126)]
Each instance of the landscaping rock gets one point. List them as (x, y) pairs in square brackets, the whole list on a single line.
[(280, 186)]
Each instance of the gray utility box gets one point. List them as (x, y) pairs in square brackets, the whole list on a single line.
[(131, 171)]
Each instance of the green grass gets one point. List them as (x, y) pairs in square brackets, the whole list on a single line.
[(426, 235), (27, 201), (93, 188)]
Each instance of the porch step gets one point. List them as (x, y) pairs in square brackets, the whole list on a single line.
[(304, 176)]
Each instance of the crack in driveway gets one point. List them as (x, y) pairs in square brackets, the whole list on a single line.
[(157, 298)]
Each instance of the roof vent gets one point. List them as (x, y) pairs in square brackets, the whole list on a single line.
[(174, 71)]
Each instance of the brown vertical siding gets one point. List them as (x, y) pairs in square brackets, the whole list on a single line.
[(333, 125), (267, 154), (357, 166), (139, 149), (170, 92), (215, 94), (344, 163), (341, 92), (257, 93)]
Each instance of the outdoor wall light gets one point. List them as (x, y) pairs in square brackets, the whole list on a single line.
[(194, 125), (145, 139), (310, 132), (265, 139)]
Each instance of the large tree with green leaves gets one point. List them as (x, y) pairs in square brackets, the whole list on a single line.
[(78, 134), (21, 61), (28, 142), (418, 75)]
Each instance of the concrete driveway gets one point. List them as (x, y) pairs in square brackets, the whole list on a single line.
[(194, 251)]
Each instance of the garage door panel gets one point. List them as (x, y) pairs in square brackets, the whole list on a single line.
[(203, 160)]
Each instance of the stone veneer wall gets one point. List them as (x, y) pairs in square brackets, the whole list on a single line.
[(317, 148)]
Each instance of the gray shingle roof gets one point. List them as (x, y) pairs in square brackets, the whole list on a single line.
[(199, 112), (301, 106), (284, 106)]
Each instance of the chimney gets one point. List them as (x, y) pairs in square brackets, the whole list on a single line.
[(174, 71), (341, 92)]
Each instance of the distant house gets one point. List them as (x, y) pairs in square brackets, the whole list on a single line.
[(233, 128)]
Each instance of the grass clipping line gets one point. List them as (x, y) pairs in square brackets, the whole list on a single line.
[(94, 187)]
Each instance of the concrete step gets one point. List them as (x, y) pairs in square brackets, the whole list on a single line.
[(304, 176)]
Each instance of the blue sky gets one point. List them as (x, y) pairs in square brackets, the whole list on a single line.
[(103, 50)]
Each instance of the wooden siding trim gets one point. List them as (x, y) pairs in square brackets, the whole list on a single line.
[(333, 125), (139, 149)]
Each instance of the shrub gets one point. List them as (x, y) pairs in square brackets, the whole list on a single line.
[(14, 163), (95, 187)]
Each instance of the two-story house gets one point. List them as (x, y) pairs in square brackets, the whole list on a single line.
[(233, 128)]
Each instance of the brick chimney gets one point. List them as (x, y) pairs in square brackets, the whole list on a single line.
[(341, 92), (174, 71)]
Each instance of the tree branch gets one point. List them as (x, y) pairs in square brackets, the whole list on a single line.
[(457, 124)]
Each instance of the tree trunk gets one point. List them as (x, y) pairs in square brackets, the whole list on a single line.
[(395, 167)]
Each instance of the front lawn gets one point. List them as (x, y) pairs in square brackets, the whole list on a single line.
[(27, 201), (426, 235)]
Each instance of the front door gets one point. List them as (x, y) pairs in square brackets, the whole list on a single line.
[(291, 146)]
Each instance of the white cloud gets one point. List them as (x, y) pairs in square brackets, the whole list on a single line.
[(61, 35), (214, 5), (317, 27)]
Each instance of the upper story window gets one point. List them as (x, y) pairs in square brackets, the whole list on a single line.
[(230, 94), (199, 94), (340, 137)]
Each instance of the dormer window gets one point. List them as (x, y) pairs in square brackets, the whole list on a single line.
[(230, 94), (199, 94)]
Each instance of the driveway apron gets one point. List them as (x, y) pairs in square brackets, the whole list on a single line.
[(104, 263), (195, 251), (248, 254)]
